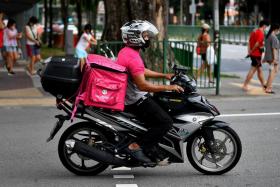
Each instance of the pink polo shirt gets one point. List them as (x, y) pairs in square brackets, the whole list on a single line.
[(130, 58)]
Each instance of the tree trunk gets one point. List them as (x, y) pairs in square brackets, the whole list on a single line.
[(79, 16), (51, 22), (46, 21), (118, 12), (94, 15), (161, 18), (64, 14)]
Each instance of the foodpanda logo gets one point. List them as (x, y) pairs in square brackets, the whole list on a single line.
[(104, 92)]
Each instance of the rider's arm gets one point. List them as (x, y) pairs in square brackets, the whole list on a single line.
[(153, 74), (144, 85)]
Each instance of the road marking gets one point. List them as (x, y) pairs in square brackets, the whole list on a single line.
[(126, 185), (121, 169), (252, 114), (123, 176)]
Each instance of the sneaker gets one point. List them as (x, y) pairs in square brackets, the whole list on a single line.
[(34, 72), (11, 73), (28, 72)]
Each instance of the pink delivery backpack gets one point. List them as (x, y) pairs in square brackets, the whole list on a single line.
[(103, 85)]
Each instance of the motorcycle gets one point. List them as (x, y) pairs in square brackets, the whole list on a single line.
[(99, 140)]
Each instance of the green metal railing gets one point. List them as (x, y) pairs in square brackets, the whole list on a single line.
[(162, 54), (228, 34)]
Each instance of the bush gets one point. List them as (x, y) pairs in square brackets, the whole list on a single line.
[(47, 52)]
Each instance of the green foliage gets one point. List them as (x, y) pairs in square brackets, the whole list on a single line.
[(47, 52)]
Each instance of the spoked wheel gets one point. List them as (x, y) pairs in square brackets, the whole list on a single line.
[(225, 154), (77, 163)]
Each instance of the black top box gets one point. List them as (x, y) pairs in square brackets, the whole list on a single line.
[(62, 76)]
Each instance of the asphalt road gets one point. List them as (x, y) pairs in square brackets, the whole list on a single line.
[(27, 160)]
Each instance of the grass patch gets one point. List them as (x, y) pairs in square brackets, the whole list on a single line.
[(47, 52), (229, 76)]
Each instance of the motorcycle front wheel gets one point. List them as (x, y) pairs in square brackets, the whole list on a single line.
[(224, 155), (76, 163)]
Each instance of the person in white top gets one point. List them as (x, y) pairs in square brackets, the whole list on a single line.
[(33, 44), (85, 41), (11, 36)]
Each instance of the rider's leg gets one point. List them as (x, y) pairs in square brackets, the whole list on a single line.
[(156, 120)]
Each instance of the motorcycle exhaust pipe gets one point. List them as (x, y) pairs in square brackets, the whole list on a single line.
[(93, 153)]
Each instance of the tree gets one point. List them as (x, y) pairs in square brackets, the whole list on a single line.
[(64, 14), (79, 15), (119, 12), (46, 21), (91, 9), (51, 21)]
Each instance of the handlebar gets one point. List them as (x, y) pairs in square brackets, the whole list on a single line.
[(180, 69), (107, 51)]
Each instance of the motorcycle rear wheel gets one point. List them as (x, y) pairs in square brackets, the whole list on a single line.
[(78, 164), (227, 152)]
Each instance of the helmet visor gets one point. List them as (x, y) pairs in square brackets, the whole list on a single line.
[(150, 29)]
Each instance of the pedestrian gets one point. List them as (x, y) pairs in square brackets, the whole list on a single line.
[(84, 42), (203, 43), (11, 36), (255, 51), (33, 44), (271, 55), (2, 27)]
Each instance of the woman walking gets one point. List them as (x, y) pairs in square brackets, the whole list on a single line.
[(203, 42), (2, 27), (271, 55), (11, 36), (33, 44)]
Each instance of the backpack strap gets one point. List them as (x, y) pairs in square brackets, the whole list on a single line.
[(81, 90)]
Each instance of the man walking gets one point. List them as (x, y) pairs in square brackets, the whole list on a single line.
[(255, 50)]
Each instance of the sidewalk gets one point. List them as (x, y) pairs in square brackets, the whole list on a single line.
[(232, 88), (23, 90)]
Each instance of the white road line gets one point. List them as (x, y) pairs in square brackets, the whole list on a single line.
[(126, 185), (252, 114), (123, 176), (121, 169)]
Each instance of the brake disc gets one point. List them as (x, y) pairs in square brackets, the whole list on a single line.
[(219, 150)]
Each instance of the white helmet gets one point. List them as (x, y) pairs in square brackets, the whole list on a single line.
[(132, 32)]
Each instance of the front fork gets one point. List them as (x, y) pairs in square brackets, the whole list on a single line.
[(209, 138)]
